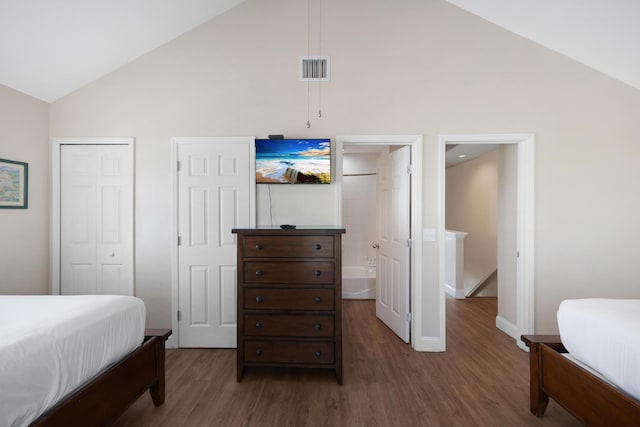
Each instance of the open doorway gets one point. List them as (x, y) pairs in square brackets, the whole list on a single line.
[(366, 255), (473, 215), (515, 311)]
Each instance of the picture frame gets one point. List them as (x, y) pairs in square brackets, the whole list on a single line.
[(14, 184)]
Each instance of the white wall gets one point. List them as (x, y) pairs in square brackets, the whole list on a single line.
[(415, 67), (472, 207), (24, 233)]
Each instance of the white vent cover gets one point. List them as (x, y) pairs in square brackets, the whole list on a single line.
[(315, 68)]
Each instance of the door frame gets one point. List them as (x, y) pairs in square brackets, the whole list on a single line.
[(415, 143), (56, 146), (525, 231), (176, 142)]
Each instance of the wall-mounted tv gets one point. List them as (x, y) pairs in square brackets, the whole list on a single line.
[(293, 161)]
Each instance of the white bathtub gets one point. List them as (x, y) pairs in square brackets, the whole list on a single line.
[(358, 283)]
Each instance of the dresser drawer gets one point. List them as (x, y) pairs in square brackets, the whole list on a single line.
[(288, 352), (288, 299), (288, 246), (288, 325), (303, 272)]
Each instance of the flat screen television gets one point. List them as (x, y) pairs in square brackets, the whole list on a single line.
[(293, 161)]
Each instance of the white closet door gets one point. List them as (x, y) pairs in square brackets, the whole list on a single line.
[(96, 220), (214, 196), (394, 227)]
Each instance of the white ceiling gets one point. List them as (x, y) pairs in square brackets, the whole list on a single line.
[(460, 153), (49, 48)]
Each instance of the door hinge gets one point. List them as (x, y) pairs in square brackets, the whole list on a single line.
[(409, 169), (409, 243), (517, 254), (179, 240), (179, 315), (409, 317), (179, 165)]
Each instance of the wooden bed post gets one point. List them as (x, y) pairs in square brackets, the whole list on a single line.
[(157, 388), (538, 399)]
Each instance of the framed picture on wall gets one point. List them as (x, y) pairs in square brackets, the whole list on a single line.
[(14, 184)]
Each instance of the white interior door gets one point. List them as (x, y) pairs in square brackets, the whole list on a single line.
[(96, 220), (394, 228), (214, 196)]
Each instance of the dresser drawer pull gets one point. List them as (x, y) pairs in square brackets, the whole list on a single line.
[(258, 325), (259, 272), (318, 326), (317, 272), (318, 353), (318, 246), (258, 299), (318, 300), (259, 352), (258, 246)]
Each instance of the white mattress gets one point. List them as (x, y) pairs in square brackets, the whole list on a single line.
[(51, 345), (604, 334)]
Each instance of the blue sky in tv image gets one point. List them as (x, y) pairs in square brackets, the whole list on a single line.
[(293, 161)]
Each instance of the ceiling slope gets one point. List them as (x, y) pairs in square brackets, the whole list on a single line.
[(602, 34), (48, 48), (51, 48)]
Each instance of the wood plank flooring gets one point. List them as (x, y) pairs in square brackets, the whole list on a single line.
[(481, 380)]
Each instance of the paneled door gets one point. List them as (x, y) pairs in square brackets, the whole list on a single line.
[(394, 230), (215, 181), (96, 220)]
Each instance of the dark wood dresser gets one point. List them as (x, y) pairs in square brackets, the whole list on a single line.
[(290, 298)]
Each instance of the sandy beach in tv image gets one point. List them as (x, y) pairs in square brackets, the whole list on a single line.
[(293, 161)]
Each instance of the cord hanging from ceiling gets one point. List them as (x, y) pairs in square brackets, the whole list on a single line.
[(319, 71), (308, 57), (321, 63)]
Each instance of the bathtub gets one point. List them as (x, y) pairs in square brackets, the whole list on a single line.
[(358, 283)]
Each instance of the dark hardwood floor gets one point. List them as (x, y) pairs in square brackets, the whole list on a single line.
[(481, 380)]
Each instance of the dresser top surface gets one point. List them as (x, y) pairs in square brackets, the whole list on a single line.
[(276, 230)]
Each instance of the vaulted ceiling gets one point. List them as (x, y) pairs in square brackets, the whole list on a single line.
[(48, 48)]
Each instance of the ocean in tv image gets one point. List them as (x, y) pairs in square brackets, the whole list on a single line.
[(293, 161)]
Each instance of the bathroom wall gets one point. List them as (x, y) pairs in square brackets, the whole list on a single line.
[(359, 209)]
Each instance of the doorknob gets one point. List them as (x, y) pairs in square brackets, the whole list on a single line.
[(113, 254), (376, 245)]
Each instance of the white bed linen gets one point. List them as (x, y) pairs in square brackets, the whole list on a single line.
[(50, 345), (604, 334)]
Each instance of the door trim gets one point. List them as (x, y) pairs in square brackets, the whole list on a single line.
[(174, 339), (57, 144), (415, 142), (525, 228)]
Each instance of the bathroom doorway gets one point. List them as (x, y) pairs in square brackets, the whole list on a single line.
[(373, 263)]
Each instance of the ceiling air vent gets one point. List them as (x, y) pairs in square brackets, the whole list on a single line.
[(315, 68)]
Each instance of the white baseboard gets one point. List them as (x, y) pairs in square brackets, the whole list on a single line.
[(507, 327), (456, 293), (429, 344), (365, 294), (171, 342)]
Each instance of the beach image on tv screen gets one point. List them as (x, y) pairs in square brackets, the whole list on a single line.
[(293, 161)]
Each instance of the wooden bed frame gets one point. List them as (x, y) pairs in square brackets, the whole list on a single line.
[(587, 397), (106, 397)]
